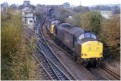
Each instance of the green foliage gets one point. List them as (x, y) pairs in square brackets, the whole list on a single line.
[(11, 33), (91, 21), (76, 19), (81, 9), (39, 12), (10, 37), (62, 14), (110, 36), (16, 60)]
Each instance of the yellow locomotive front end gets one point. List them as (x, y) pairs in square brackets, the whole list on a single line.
[(52, 29), (52, 26), (91, 49)]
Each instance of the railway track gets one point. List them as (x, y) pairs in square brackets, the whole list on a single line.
[(56, 64), (51, 44), (103, 73), (115, 75), (48, 68), (51, 64), (45, 73)]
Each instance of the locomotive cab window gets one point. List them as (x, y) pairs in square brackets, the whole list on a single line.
[(93, 36), (81, 37), (87, 35)]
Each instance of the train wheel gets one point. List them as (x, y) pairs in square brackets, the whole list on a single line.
[(93, 63), (98, 64), (88, 64)]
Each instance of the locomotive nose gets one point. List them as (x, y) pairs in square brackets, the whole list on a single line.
[(52, 29), (92, 49)]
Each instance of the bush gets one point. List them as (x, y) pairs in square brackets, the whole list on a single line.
[(76, 19), (11, 35), (62, 14), (16, 59), (91, 21), (81, 9), (110, 35)]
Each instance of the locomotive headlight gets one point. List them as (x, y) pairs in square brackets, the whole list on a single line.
[(101, 54), (85, 54)]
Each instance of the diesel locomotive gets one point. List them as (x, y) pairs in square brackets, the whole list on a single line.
[(82, 45)]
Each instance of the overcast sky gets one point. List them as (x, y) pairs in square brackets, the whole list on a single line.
[(57, 2)]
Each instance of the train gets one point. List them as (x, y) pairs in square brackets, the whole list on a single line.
[(81, 45)]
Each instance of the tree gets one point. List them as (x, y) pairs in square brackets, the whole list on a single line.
[(66, 5), (62, 14), (110, 36), (20, 7), (75, 20), (81, 9), (116, 10), (111, 31), (95, 22), (13, 6), (91, 21), (39, 11)]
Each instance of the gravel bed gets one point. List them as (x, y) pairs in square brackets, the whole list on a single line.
[(115, 67), (101, 74)]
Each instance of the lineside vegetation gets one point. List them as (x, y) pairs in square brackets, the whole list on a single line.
[(17, 62)]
